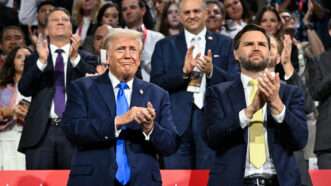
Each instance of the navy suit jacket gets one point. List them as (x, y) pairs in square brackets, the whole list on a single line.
[(167, 71), (89, 123), (225, 135), (40, 86)]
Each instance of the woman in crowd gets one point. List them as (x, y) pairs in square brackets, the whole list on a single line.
[(270, 20), (84, 14), (170, 24), (237, 16), (109, 15), (13, 108)]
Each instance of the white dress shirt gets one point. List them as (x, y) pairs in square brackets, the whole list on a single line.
[(128, 96), (268, 167), (65, 55), (199, 43)]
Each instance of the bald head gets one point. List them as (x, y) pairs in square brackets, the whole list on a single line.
[(193, 15)]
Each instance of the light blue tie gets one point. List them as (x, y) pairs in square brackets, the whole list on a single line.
[(123, 169)]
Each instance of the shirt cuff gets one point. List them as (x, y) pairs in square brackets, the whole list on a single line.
[(41, 66), (244, 120), (211, 74), (148, 136), (280, 117), (287, 77), (75, 61)]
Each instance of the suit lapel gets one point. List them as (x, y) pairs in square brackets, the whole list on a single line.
[(209, 42), (138, 93), (180, 43), (237, 97), (105, 88)]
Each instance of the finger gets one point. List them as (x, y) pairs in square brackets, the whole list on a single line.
[(150, 105), (209, 54), (264, 87)]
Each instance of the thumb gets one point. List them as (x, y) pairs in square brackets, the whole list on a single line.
[(150, 105)]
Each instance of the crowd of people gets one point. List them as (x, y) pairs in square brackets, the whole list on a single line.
[(108, 88)]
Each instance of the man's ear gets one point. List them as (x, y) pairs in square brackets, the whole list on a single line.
[(330, 32), (236, 56)]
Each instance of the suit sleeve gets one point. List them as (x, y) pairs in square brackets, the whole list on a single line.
[(294, 132), (172, 81), (82, 130), (164, 137), (222, 129), (31, 78), (320, 85)]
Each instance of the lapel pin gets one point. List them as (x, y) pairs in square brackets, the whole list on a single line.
[(210, 38), (216, 55), (141, 92)]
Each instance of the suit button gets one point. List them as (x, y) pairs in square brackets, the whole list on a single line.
[(106, 137)]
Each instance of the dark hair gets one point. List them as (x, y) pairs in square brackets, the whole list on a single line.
[(272, 9), (329, 24), (59, 9), (14, 27), (246, 16), (43, 3), (219, 4), (7, 72), (249, 28), (104, 8), (164, 24), (147, 19)]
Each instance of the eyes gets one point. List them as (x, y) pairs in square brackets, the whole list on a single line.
[(261, 44), (122, 49), (195, 11)]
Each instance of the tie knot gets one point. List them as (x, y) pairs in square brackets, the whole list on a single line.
[(59, 51), (122, 86), (253, 82)]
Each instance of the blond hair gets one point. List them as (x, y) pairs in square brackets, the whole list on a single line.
[(122, 32)]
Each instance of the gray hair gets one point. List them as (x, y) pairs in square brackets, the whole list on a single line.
[(123, 32)]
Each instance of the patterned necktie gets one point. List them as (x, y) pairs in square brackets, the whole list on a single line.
[(123, 171), (59, 96), (257, 149)]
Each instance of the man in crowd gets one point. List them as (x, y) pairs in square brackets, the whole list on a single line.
[(255, 122), (133, 12), (119, 124), (175, 63), (46, 75)]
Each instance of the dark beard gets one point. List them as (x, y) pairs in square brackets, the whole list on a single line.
[(253, 67)]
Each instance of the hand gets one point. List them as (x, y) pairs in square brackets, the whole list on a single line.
[(75, 43), (269, 85), (286, 56), (309, 13), (20, 113), (33, 35), (287, 50), (189, 62), (148, 125), (205, 65), (6, 112), (42, 48), (257, 103)]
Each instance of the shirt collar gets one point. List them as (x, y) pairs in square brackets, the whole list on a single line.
[(189, 35), (115, 81), (245, 80), (65, 48)]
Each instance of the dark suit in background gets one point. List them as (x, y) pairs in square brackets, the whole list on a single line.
[(320, 87), (38, 135), (225, 135), (167, 71)]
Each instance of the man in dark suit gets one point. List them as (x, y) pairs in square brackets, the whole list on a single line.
[(46, 76), (118, 144), (173, 66), (321, 92), (254, 123)]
